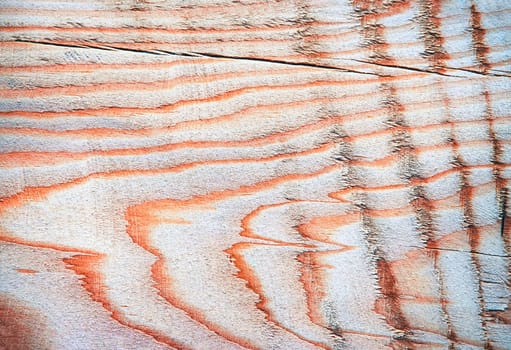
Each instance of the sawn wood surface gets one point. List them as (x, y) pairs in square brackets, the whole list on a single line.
[(195, 174)]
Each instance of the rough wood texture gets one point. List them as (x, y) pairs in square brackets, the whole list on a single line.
[(255, 175)]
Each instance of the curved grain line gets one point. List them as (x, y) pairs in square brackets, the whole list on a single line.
[(154, 85), (246, 273), (101, 132), (311, 278), (31, 193), (83, 267), (22, 158), (138, 229), (158, 270), (83, 263)]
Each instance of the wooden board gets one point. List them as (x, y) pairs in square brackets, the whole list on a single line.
[(255, 174)]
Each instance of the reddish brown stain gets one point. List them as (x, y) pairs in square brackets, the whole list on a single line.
[(27, 271), (447, 202), (389, 304), (307, 40), (39, 193), (478, 36), (21, 326), (450, 333), (246, 273), (196, 12), (312, 271), (432, 33), (150, 86), (129, 111), (467, 194), (321, 228), (140, 220), (94, 67), (88, 266), (466, 197), (312, 278), (16, 159), (5, 237), (373, 9), (373, 33)]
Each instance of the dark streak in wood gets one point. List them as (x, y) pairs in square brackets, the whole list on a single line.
[(432, 34), (478, 35)]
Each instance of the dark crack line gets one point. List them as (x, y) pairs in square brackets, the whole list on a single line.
[(462, 251), (413, 69), (266, 60), (302, 64), (478, 72), (201, 54), (87, 46)]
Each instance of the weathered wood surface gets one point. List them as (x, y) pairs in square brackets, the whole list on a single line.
[(255, 175)]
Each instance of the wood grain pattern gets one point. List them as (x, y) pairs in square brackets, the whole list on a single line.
[(255, 175)]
